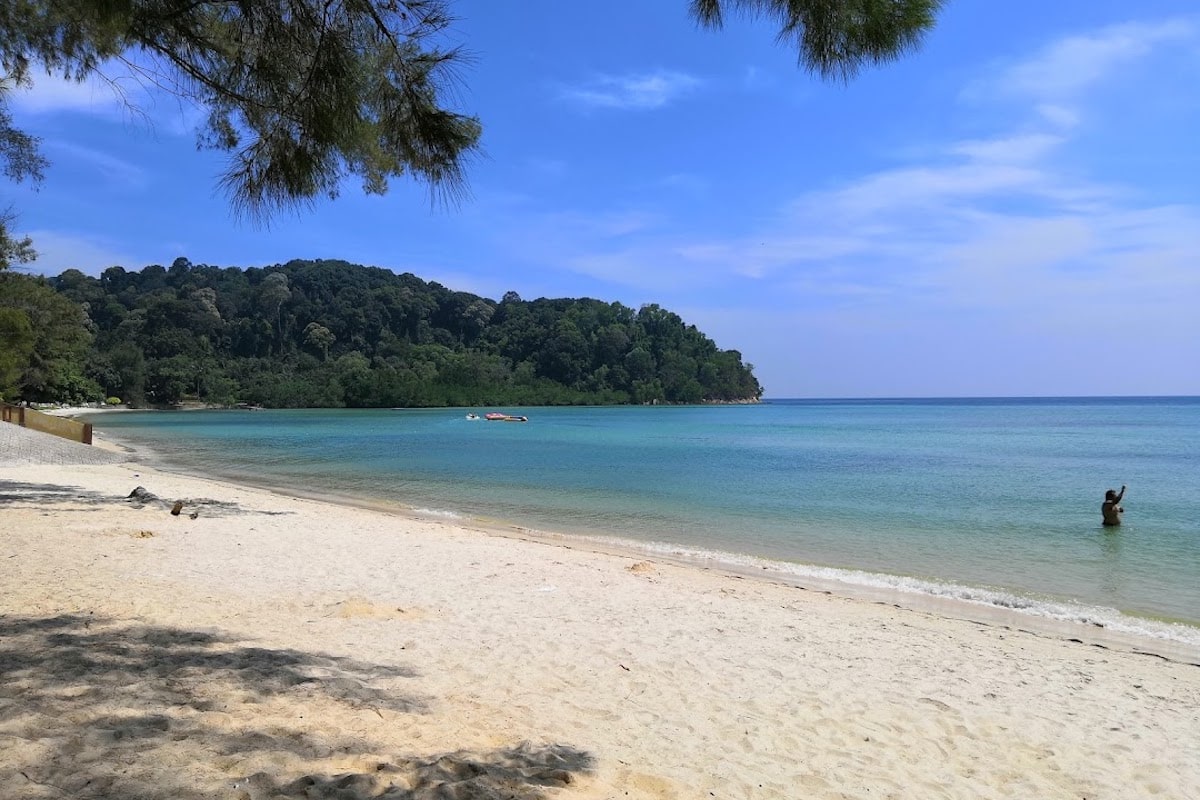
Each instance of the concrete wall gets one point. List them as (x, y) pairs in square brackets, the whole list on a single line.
[(36, 420)]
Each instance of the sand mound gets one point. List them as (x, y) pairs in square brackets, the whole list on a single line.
[(353, 607)]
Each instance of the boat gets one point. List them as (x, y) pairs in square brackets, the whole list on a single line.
[(472, 416), (496, 416)]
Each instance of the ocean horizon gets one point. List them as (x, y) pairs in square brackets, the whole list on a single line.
[(991, 501)]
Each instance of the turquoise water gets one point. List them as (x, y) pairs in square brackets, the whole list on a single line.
[(993, 501)]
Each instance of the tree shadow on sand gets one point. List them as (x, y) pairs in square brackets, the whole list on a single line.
[(40, 495), (95, 708)]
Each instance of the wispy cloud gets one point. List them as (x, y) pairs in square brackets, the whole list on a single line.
[(59, 251), (1009, 149), (635, 91), (1057, 116), (51, 94), (117, 171), (1066, 67), (116, 92), (605, 225), (994, 222)]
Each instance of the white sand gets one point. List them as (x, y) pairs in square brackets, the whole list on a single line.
[(276, 647)]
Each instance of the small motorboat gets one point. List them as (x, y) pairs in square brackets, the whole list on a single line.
[(472, 416), (496, 416)]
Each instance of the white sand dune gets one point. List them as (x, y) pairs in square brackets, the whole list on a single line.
[(275, 647)]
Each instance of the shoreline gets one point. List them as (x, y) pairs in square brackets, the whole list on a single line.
[(1095, 626), (277, 646)]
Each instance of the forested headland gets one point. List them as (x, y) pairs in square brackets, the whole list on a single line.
[(334, 334)]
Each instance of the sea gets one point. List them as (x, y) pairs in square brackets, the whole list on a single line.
[(993, 502)]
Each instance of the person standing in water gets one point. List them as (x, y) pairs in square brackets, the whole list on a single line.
[(1109, 510)]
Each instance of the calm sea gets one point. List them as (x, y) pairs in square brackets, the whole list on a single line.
[(994, 501)]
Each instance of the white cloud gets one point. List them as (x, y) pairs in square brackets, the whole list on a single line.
[(1010, 149), (634, 91), (1059, 117), (59, 251), (987, 224), (1070, 65), (910, 190), (1012, 248), (602, 225), (114, 92), (50, 94), (116, 170)]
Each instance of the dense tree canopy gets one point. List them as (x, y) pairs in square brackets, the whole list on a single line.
[(44, 339), (332, 334), (303, 93)]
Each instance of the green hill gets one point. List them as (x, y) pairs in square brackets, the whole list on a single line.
[(334, 334)]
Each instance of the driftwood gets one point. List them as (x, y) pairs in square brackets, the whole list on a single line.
[(139, 497)]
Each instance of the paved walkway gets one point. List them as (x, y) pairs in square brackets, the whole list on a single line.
[(19, 446)]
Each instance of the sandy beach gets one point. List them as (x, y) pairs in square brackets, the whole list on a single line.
[(262, 646)]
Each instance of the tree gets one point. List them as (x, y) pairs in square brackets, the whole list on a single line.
[(399, 341), (129, 364), (20, 159), (50, 366), (275, 292), (318, 336), (301, 92), (836, 38), (304, 93), (13, 250), (17, 335)]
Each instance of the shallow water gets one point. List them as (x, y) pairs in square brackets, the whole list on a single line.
[(995, 501)]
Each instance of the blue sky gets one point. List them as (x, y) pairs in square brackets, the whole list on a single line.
[(1013, 210)]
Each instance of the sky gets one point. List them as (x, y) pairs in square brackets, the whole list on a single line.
[(1011, 210)]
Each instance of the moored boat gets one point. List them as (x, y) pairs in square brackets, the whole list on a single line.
[(496, 416)]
